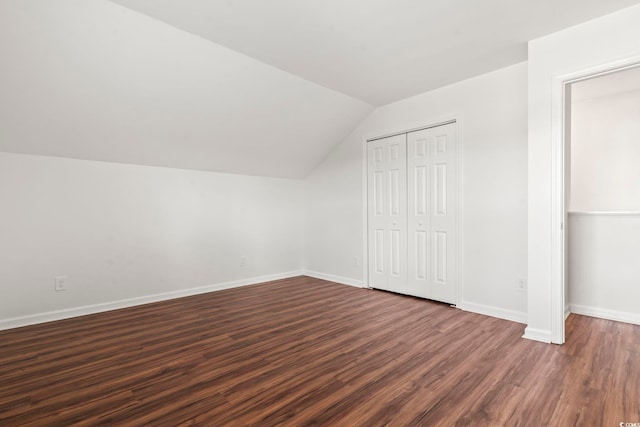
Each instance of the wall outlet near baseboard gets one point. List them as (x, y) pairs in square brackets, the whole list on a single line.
[(243, 261), (522, 284), (62, 283), (356, 261)]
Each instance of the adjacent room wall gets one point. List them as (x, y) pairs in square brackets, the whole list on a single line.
[(493, 108), (605, 153), (125, 232), (615, 37), (603, 265), (604, 230)]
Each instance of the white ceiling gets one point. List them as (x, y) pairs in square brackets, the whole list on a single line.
[(378, 51), (251, 87)]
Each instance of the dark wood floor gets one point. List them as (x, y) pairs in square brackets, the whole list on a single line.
[(304, 351)]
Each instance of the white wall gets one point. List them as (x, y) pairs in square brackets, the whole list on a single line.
[(604, 237), (605, 153), (610, 38), (121, 231), (493, 107), (603, 265)]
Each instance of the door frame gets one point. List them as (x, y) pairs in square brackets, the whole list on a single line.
[(457, 118), (559, 123)]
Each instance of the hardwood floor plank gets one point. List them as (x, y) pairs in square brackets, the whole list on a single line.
[(304, 351)]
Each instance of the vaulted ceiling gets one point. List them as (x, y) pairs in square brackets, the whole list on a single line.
[(253, 87), (378, 51)]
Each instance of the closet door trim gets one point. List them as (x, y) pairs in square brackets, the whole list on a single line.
[(416, 129)]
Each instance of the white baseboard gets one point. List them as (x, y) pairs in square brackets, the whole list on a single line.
[(50, 316), (512, 315), (500, 313), (603, 313), (541, 335), (332, 278), (567, 311)]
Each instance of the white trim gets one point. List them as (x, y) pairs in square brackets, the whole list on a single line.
[(454, 117), (558, 210), (416, 129), (459, 119), (333, 278), (603, 313), (567, 311), (621, 214), (365, 216), (50, 316), (542, 335), (500, 313), (557, 213)]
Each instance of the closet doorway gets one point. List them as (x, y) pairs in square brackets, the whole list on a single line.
[(412, 213)]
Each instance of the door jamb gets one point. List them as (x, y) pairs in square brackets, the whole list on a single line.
[(560, 83)]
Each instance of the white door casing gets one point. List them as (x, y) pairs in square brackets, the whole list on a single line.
[(560, 127)]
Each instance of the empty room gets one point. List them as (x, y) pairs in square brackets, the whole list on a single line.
[(336, 213)]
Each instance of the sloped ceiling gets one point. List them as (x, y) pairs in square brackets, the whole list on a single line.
[(90, 79), (252, 87), (378, 51)]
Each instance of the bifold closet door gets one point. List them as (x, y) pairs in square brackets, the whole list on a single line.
[(432, 187), (387, 213), (412, 209), (419, 213)]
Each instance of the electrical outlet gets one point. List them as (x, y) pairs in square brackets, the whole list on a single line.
[(62, 283), (522, 284), (356, 261), (243, 261)]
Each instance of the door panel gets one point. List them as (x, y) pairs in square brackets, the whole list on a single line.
[(397, 220), (440, 189), (443, 218), (376, 214), (440, 258), (420, 255), (387, 211), (418, 188)]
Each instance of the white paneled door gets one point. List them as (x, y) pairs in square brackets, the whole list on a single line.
[(412, 194), (387, 212)]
